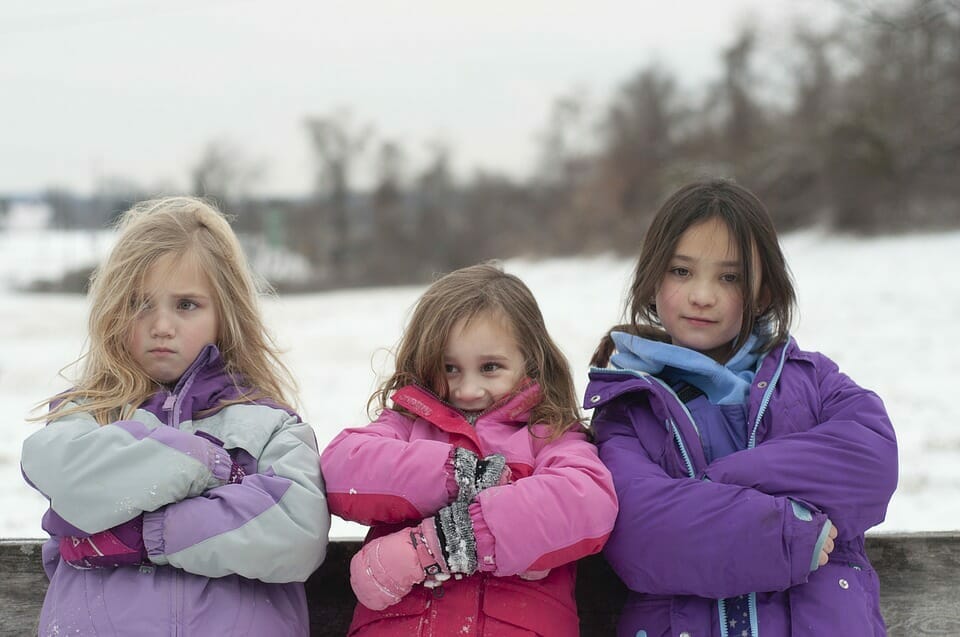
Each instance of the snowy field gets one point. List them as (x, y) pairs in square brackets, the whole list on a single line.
[(885, 309)]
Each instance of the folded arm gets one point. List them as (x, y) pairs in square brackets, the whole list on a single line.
[(683, 536), (271, 526), (845, 465), (399, 480), (97, 477)]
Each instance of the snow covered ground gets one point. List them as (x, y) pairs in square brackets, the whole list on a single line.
[(885, 309)]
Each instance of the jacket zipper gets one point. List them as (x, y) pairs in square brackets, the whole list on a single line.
[(473, 416), (176, 602), (765, 401), (671, 425), (174, 400), (751, 443)]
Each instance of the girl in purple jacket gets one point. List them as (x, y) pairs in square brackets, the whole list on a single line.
[(185, 495), (480, 484), (747, 469)]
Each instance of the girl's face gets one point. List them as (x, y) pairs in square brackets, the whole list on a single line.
[(482, 362), (699, 300), (177, 318)]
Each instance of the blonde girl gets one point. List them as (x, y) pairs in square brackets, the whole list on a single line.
[(185, 494)]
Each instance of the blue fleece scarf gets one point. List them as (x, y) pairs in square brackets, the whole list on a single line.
[(723, 384)]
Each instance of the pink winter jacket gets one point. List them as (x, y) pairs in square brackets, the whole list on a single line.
[(559, 507)]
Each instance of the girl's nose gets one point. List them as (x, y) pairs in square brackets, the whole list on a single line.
[(161, 326), (702, 293), (468, 389)]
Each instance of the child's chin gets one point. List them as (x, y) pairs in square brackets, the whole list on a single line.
[(471, 409)]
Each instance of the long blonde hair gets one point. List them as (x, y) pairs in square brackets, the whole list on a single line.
[(465, 294), (111, 384)]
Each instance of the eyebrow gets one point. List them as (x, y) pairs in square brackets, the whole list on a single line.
[(497, 357), (187, 294), (724, 264)]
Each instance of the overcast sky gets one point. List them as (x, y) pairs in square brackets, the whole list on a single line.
[(100, 88)]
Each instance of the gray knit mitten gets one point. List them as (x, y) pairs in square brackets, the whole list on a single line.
[(455, 532), (474, 474)]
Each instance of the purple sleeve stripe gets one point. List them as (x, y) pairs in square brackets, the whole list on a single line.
[(135, 428), (215, 458), (53, 524), (181, 525)]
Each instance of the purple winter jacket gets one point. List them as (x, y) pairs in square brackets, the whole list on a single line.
[(689, 534), (224, 559)]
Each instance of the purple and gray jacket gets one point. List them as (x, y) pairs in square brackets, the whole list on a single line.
[(225, 559), (689, 533)]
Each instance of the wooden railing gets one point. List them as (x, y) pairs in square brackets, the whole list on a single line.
[(919, 587)]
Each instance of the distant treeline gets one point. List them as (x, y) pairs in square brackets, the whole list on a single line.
[(854, 127)]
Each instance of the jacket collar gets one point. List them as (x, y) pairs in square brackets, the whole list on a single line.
[(726, 383), (427, 405), (203, 386)]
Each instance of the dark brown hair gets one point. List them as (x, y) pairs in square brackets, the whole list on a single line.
[(769, 306), (465, 294)]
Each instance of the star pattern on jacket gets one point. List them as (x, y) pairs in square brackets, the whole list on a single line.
[(738, 613)]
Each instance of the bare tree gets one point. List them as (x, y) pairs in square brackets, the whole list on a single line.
[(224, 174), (639, 133), (337, 144)]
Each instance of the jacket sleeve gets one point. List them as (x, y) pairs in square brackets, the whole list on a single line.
[(683, 536), (845, 465), (377, 475), (272, 526), (564, 510), (97, 477)]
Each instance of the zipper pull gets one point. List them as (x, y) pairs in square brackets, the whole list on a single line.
[(169, 402)]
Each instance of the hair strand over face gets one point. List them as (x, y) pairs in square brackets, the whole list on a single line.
[(111, 384)]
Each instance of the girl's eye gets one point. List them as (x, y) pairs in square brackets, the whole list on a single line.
[(186, 304), (679, 271), (730, 277), (489, 368), (450, 369)]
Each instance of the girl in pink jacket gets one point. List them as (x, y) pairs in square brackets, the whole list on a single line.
[(480, 484)]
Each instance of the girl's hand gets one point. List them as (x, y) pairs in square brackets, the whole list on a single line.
[(828, 545), (473, 474), (237, 473), (388, 568), (120, 546)]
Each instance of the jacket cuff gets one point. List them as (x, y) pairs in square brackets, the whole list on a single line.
[(450, 471), (803, 529), (815, 563), (153, 536), (219, 463), (486, 544)]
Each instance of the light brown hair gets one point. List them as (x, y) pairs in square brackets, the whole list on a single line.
[(767, 307), (111, 384), (465, 294)]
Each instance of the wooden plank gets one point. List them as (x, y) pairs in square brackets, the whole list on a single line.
[(919, 592), (919, 582), (22, 586)]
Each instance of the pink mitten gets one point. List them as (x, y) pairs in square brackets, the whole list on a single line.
[(388, 568), (120, 546)]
